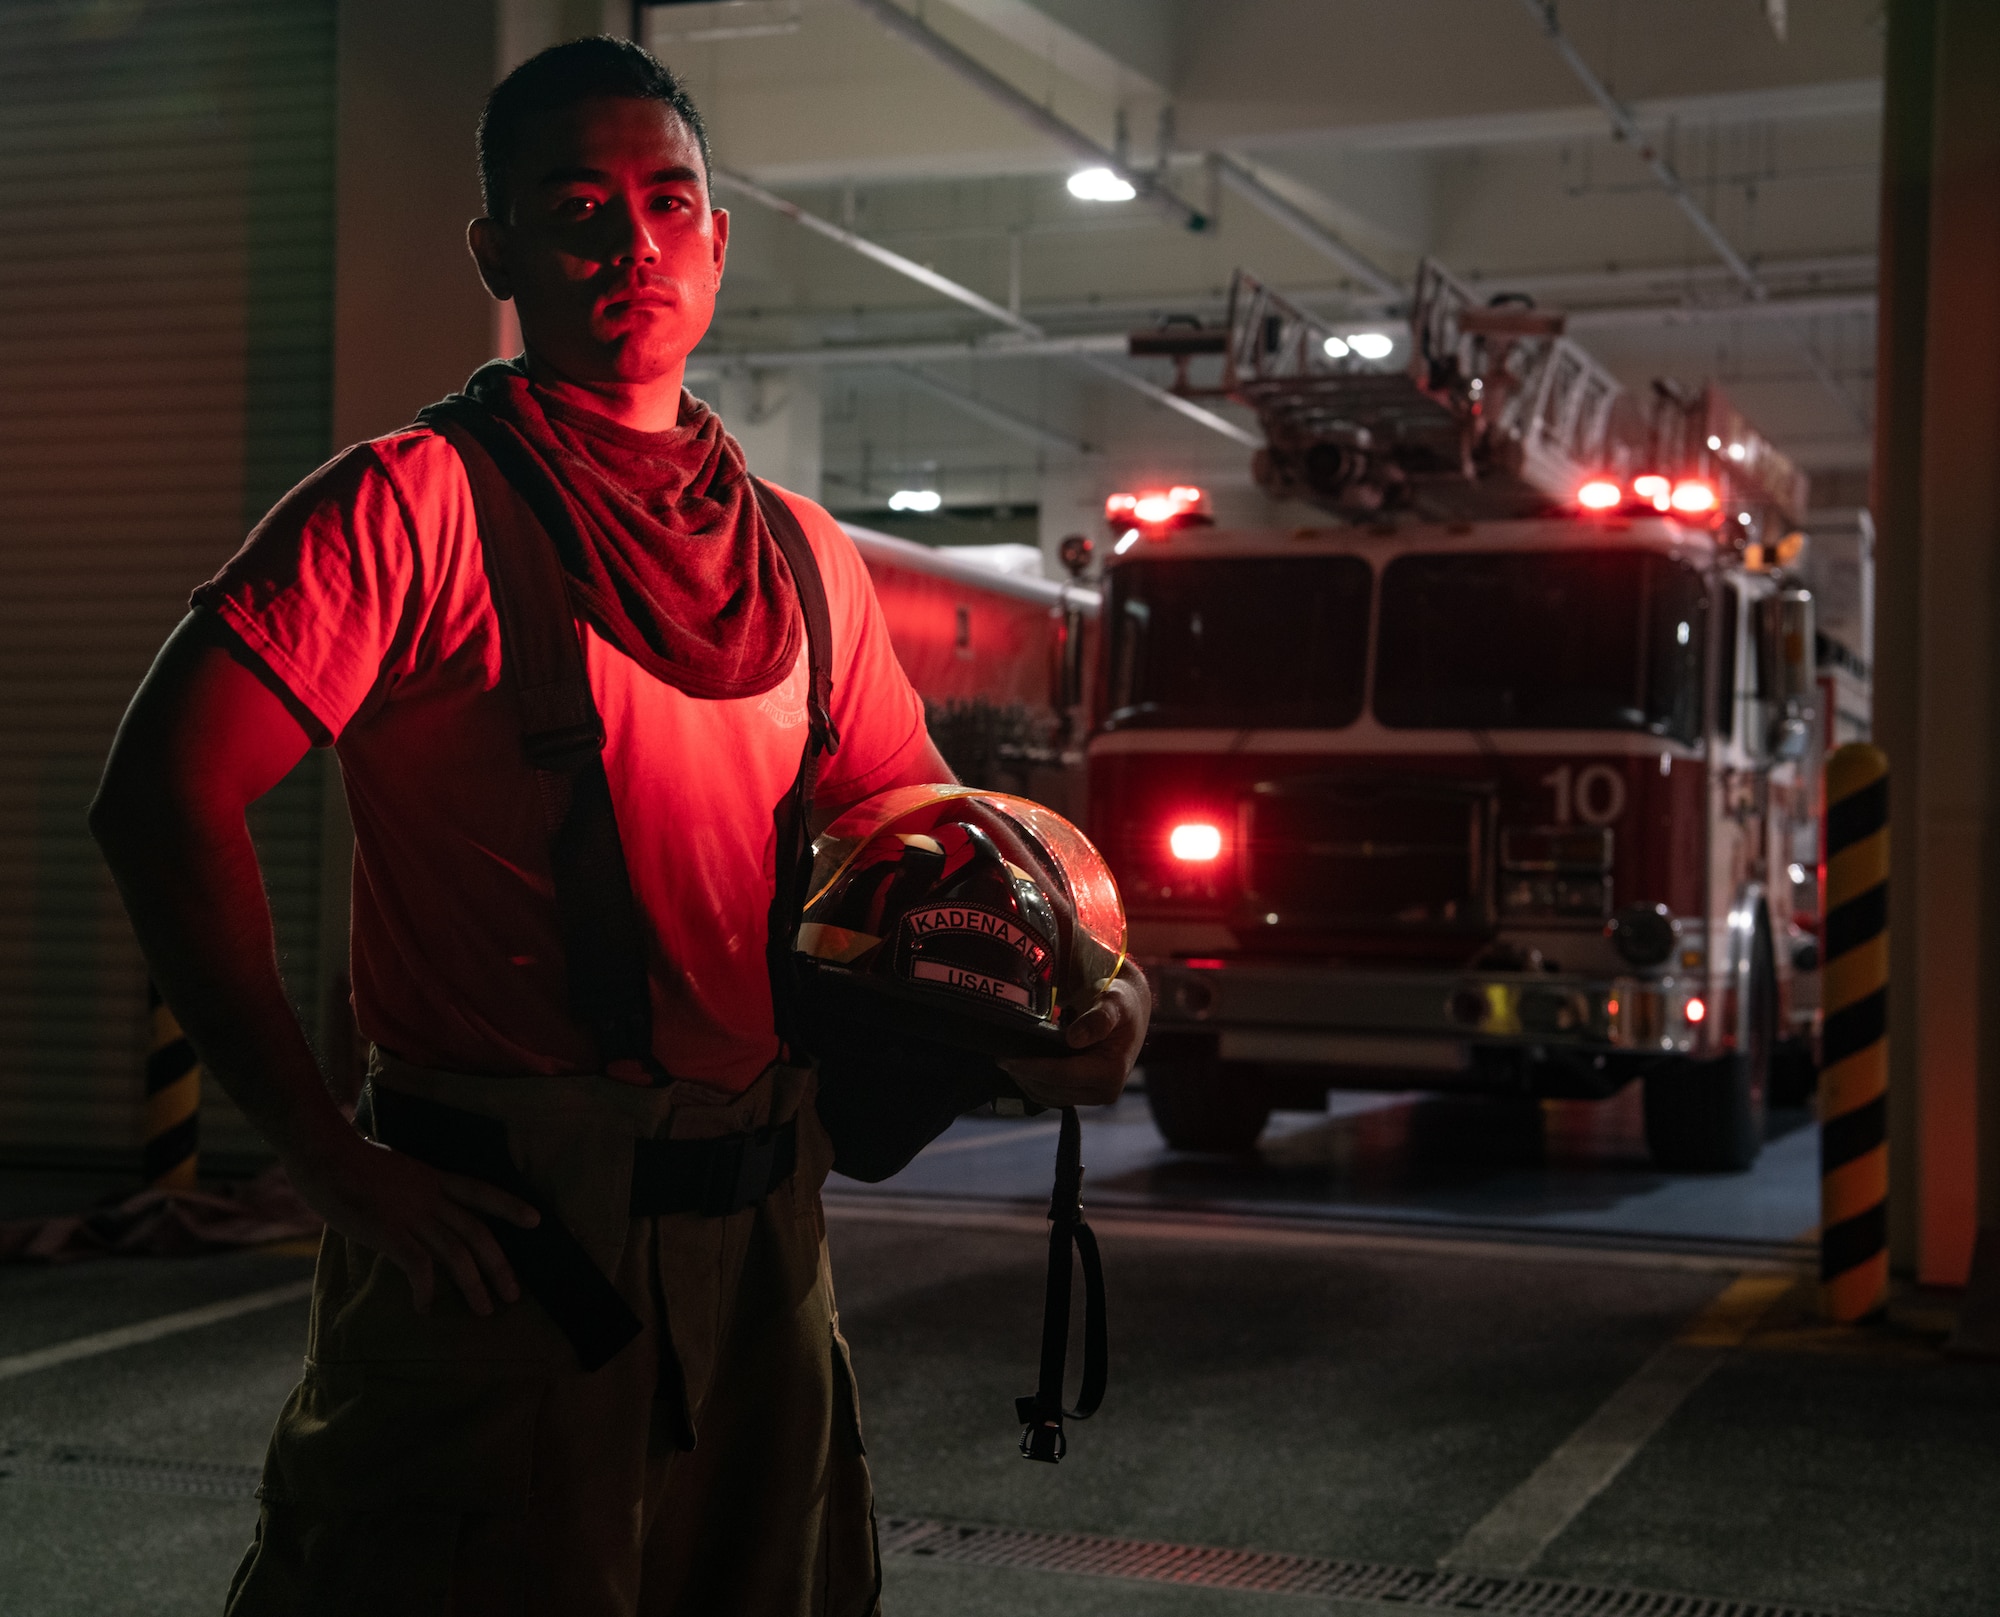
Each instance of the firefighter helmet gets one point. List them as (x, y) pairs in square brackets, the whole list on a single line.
[(963, 917)]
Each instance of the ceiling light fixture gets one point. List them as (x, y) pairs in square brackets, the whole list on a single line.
[(924, 500), (1100, 185), (1335, 348), (1372, 344)]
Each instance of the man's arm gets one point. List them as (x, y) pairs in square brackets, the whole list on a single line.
[(1106, 1038), (204, 738)]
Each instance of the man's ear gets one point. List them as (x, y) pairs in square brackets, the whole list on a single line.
[(486, 238), (721, 218)]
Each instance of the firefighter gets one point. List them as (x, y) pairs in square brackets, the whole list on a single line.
[(572, 1345)]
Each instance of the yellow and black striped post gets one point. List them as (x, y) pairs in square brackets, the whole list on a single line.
[(1854, 1038), (173, 1102)]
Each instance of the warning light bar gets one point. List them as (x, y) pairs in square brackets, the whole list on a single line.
[(1691, 496), (1694, 497), (1156, 510), (1196, 842)]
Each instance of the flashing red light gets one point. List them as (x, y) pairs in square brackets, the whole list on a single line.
[(1696, 1010), (1600, 494), (1694, 497), (1652, 486), (1196, 842), (1202, 963), (1153, 508)]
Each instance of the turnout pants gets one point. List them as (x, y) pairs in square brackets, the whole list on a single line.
[(444, 1463)]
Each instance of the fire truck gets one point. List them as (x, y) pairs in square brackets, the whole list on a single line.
[(1497, 782), (999, 659)]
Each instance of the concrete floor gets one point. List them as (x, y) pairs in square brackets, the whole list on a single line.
[(1556, 1170), (1333, 1387)]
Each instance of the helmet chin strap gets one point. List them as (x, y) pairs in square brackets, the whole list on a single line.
[(1041, 1413)]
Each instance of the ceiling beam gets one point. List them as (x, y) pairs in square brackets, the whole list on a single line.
[(970, 404), (909, 268), (1107, 344), (914, 31), (1092, 359), (1241, 178)]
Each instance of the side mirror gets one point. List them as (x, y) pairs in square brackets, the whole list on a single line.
[(1797, 673), (1791, 738), (1788, 675)]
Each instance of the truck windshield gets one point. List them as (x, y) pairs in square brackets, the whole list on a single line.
[(1542, 640), (1274, 641)]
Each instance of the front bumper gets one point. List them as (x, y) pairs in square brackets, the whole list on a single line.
[(1419, 1020)]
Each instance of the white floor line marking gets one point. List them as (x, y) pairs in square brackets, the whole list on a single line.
[(1512, 1536), (976, 1142), (1119, 1222), (151, 1330)]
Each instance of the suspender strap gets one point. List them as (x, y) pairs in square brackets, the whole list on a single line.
[(1041, 1414), (604, 940), (792, 819), (522, 530)]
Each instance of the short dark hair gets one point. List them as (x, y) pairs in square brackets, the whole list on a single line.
[(560, 77)]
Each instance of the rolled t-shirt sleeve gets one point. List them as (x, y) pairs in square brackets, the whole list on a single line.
[(323, 590), (878, 713)]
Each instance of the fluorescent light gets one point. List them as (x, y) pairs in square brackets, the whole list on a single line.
[(1100, 185), (1131, 538), (915, 499), (1372, 344), (1335, 348)]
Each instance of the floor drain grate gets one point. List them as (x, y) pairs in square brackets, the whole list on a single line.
[(1413, 1589), (65, 1465)]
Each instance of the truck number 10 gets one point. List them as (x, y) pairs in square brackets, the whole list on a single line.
[(1594, 794)]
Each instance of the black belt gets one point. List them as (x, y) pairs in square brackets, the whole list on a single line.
[(710, 1178)]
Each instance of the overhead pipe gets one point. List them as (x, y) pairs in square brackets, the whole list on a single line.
[(1628, 130), (914, 31)]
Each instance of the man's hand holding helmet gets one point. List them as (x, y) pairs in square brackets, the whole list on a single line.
[(1106, 1039)]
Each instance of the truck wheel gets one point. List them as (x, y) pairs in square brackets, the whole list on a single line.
[(1198, 1104), (1794, 1073), (1708, 1116)]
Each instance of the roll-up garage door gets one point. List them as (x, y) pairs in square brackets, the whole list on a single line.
[(166, 223)]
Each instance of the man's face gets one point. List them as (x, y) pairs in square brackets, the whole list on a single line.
[(613, 254)]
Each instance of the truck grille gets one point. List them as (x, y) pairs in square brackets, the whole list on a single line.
[(1368, 855)]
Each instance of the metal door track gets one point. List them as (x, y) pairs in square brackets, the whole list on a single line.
[(1411, 1589)]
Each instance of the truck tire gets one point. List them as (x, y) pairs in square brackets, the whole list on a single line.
[(1794, 1073), (1708, 1116), (1198, 1104)]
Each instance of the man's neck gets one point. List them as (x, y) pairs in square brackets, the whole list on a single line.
[(653, 406)]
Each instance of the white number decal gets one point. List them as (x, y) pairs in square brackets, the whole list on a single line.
[(1596, 793), (1600, 794)]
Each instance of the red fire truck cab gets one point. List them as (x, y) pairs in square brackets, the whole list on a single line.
[(1506, 807)]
